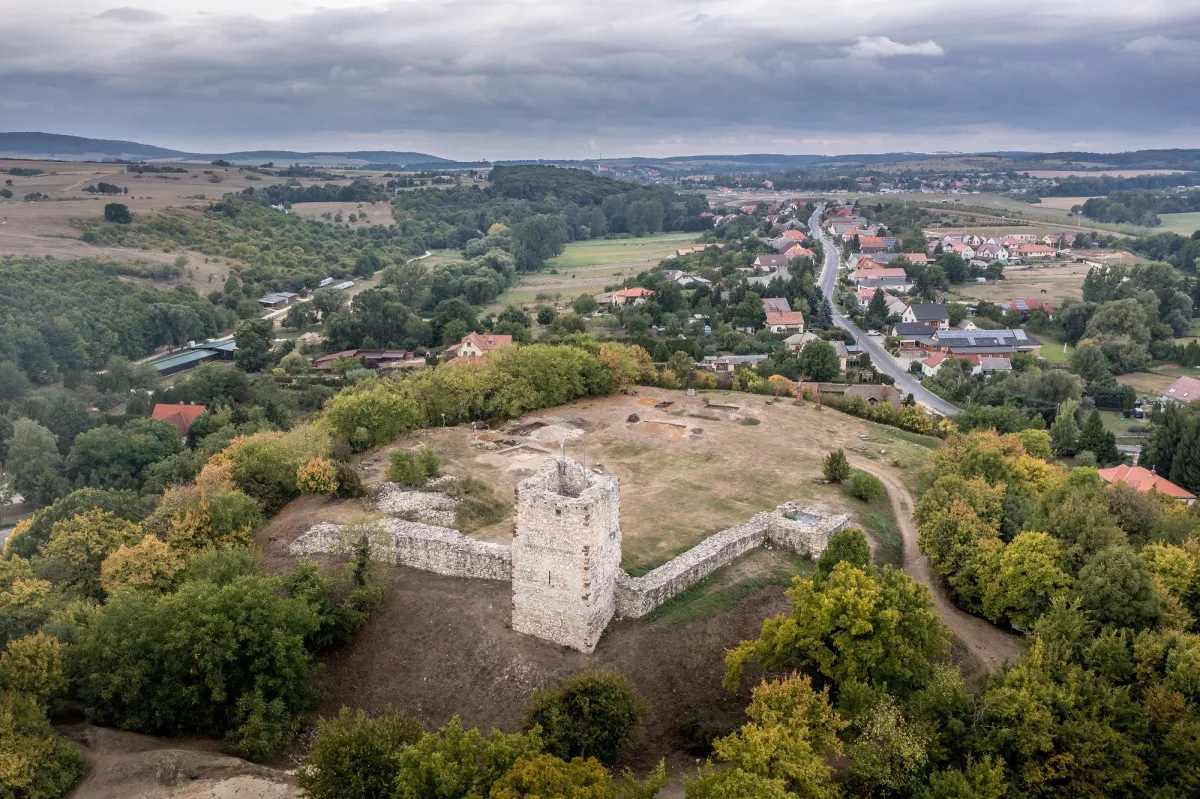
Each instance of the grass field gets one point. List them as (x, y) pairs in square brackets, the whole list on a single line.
[(1183, 224), (589, 266), (1121, 427), (1052, 348), (1149, 383)]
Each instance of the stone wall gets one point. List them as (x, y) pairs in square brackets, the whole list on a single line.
[(420, 546), (566, 554)]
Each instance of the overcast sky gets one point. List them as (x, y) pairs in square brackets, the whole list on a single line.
[(476, 79)]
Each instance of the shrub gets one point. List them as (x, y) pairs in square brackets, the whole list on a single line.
[(455, 762), (412, 468), (342, 602), (34, 666), (318, 476), (866, 487), (210, 659), (34, 762), (845, 545), (835, 467), (349, 481), (353, 756), (592, 714), (222, 566)]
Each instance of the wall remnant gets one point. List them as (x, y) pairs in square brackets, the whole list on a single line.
[(565, 558)]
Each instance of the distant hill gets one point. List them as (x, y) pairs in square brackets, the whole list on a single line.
[(79, 148)]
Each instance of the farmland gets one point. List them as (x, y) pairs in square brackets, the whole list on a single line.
[(1050, 283), (1183, 224)]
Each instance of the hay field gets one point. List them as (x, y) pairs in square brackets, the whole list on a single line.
[(368, 214), (1049, 283), (1062, 203)]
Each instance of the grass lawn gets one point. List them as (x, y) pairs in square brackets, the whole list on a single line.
[(1053, 348), (589, 266), (1183, 224), (879, 522), (1119, 427), (1153, 383)]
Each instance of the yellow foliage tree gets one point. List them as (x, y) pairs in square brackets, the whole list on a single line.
[(34, 665), (318, 476), (80, 544), (149, 565), (18, 586)]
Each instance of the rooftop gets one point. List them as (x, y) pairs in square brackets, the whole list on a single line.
[(1145, 480)]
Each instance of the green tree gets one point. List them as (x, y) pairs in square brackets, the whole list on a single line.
[(890, 756), (1028, 578), (734, 783), (1064, 433), (876, 315), (584, 304), (850, 628), (592, 714), (835, 467), (1095, 439), (117, 213), (36, 763), (819, 360), (455, 763), (545, 315), (866, 487), (354, 755), (549, 777), (254, 340), (847, 545), (537, 239), (1116, 588), (33, 461)]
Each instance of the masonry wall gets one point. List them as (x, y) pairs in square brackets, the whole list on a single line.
[(566, 554), (420, 546)]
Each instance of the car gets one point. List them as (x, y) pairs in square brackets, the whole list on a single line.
[(872, 332)]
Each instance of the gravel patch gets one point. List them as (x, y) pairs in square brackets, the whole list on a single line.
[(428, 506)]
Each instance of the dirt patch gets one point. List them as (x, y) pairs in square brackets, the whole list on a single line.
[(665, 429), (124, 765), (649, 402), (442, 646)]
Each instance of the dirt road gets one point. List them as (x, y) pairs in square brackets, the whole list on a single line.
[(993, 646)]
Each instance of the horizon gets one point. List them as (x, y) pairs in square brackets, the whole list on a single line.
[(510, 80)]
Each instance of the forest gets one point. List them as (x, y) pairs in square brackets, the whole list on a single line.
[(1139, 207)]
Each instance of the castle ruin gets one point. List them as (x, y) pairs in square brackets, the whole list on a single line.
[(564, 563)]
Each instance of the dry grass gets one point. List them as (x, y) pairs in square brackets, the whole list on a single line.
[(1049, 283), (1147, 383)]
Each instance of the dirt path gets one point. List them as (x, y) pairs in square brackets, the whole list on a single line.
[(991, 645)]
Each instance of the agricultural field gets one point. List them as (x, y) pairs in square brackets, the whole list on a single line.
[(589, 266), (1050, 283), (1183, 224), (1062, 203), (1091, 173), (366, 214), (1149, 384)]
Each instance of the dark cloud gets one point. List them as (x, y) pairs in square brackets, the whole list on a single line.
[(504, 78)]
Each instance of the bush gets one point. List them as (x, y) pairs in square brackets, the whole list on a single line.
[(318, 476), (429, 462), (405, 468), (866, 487), (845, 545), (835, 467), (349, 481), (353, 756), (34, 762), (210, 659), (592, 714)]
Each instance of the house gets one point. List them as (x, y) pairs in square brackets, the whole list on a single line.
[(776, 305), (475, 345), (875, 394), (623, 297), (931, 365), (1182, 391), (860, 276), (729, 363), (1024, 305), (798, 341), (991, 365), (992, 252), (276, 299), (327, 281), (1031, 252), (771, 262), (785, 321), (916, 257), (799, 252), (194, 356), (842, 352), (372, 359), (913, 333), (865, 264), (933, 313), (179, 416), (795, 235), (1145, 481), (984, 343), (895, 283), (895, 305), (870, 244)]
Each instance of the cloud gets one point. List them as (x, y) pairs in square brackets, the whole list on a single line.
[(1148, 45), (883, 47), (513, 78), (137, 16)]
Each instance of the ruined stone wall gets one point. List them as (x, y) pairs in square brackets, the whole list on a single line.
[(566, 554), (420, 546)]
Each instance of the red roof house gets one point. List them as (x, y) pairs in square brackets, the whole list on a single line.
[(1146, 481), (181, 416), (475, 345)]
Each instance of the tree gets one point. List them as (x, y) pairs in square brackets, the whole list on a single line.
[(900, 634), (545, 315), (584, 304), (79, 545), (117, 213), (681, 364), (34, 665), (734, 783), (537, 239), (148, 565), (36, 761), (1185, 466), (1116, 588), (1064, 433), (835, 467), (1028, 577), (113, 457), (33, 460), (866, 487), (848, 546), (1090, 363), (791, 729), (353, 756), (819, 360), (1095, 439), (549, 777), (209, 659), (254, 340), (890, 755), (453, 763), (877, 313), (592, 714)]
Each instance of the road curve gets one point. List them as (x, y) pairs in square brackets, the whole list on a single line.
[(884, 362), (991, 645)]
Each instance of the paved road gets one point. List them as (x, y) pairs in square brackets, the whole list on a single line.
[(905, 383)]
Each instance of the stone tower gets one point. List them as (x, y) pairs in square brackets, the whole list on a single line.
[(566, 554)]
